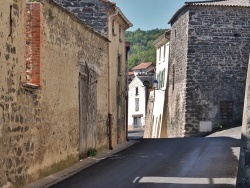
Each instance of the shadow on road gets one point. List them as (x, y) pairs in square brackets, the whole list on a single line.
[(135, 134)]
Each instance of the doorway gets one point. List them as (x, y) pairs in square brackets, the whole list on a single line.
[(87, 112), (226, 113)]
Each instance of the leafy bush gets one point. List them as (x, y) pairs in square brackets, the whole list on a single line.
[(91, 152)]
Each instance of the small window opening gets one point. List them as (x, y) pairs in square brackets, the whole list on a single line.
[(113, 27), (136, 91), (11, 21), (236, 35), (136, 104), (173, 76), (119, 65)]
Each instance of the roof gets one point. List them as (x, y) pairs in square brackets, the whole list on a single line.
[(142, 66), (228, 3), (123, 17), (107, 1), (240, 3), (140, 80), (164, 38)]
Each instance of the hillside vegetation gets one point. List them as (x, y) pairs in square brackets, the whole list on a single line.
[(142, 48)]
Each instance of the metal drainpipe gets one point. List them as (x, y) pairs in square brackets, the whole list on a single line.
[(127, 90), (109, 83)]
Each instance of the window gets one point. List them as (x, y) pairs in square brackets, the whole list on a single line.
[(119, 64), (137, 122), (33, 43), (226, 111), (173, 74), (159, 54), (164, 52), (136, 104), (120, 34), (163, 77), (11, 21), (113, 28), (136, 91)]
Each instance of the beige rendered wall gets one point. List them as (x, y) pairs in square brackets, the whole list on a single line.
[(39, 130), (117, 98)]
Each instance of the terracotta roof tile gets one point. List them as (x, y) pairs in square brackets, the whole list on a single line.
[(142, 66)]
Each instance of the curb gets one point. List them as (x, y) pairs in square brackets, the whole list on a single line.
[(79, 166)]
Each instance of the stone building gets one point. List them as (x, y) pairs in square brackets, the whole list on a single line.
[(209, 49), (107, 19), (42, 76)]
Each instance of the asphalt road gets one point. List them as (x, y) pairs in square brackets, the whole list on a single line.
[(174, 163)]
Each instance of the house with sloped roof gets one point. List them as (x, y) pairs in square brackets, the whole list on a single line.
[(106, 18), (145, 68), (138, 94), (157, 124), (209, 49)]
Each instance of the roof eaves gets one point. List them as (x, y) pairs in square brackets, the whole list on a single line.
[(124, 17), (164, 38), (202, 3), (135, 68), (111, 3), (177, 13), (211, 1)]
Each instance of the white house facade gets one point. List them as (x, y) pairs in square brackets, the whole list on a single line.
[(137, 97), (158, 125)]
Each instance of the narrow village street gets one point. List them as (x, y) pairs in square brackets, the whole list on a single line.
[(178, 162), (91, 99)]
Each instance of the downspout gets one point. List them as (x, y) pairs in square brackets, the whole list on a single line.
[(127, 89), (110, 116)]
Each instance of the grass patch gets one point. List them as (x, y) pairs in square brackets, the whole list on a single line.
[(91, 152)]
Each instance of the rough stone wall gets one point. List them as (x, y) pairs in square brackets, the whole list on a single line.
[(15, 144), (94, 12), (177, 77), (218, 48), (149, 116), (39, 127), (243, 178)]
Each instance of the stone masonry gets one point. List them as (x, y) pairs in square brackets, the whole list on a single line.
[(39, 124), (208, 66), (94, 12)]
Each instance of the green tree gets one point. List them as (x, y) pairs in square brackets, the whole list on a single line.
[(142, 48)]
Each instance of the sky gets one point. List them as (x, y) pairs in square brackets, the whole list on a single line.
[(149, 14)]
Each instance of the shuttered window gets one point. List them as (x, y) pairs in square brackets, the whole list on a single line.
[(136, 104)]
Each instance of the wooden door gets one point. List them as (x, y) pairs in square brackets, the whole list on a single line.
[(83, 108), (88, 112)]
